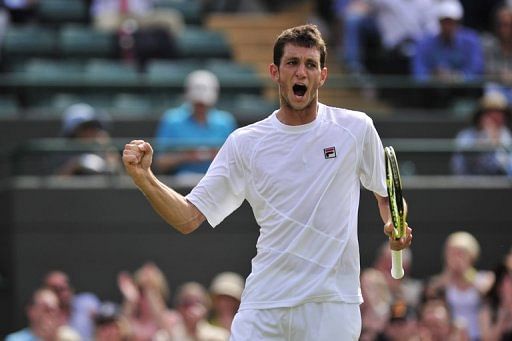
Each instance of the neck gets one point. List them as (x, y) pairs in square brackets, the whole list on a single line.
[(293, 117)]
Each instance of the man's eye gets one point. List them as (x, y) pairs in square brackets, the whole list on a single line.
[(311, 65)]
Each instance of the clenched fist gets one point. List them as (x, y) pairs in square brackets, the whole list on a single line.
[(137, 158)]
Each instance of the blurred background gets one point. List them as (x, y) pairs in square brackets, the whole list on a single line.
[(80, 78)]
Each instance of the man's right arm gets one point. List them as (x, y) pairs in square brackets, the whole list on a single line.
[(173, 207)]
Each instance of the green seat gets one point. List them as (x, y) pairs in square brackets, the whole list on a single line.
[(110, 72), (199, 43), (235, 75), (29, 41), (86, 42), (51, 70), (62, 11), (131, 105), (190, 9), (171, 72), (8, 106), (251, 108)]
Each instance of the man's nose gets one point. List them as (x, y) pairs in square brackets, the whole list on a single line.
[(301, 70)]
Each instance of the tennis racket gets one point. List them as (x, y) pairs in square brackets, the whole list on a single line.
[(396, 206)]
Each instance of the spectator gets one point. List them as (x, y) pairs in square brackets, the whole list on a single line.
[(375, 309), (86, 126), (110, 324), (144, 302), (196, 121), (226, 293), (44, 320), (402, 325), (396, 25), (437, 324), (110, 15), (496, 314), (462, 284), (498, 53), (455, 54), (192, 304), (76, 310), (144, 32), (406, 289), (490, 130)]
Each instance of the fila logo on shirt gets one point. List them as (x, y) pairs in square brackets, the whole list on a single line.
[(330, 152)]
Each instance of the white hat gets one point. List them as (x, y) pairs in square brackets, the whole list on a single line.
[(450, 9), (202, 86), (229, 284)]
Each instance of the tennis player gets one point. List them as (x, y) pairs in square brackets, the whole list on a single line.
[(300, 169)]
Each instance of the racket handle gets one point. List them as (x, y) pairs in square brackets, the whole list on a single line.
[(397, 270)]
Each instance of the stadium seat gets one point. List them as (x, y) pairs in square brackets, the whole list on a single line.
[(190, 9), (86, 42), (29, 41), (51, 70), (233, 75), (199, 43), (127, 105), (8, 106), (62, 11), (110, 72), (251, 108), (171, 72)]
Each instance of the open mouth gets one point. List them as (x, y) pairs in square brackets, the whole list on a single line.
[(299, 89)]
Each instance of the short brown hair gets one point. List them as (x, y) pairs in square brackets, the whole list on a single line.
[(304, 36)]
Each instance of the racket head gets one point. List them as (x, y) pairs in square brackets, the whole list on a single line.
[(394, 188)]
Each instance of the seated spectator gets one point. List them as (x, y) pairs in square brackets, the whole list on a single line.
[(110, 324), (144, 305), (226, 292), (455, 54), (490, 129), (193, 304), (403, 325), (453, 57), (87, 126), (395, 24), (76, 310), (462, 284), (375, 310), (195, 122), (498, 53), (44, 320), (144, 32), (110, 15), (496, 313), (437, 324)]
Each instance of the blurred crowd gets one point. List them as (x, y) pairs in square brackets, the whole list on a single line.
[(461, 303), (55, 312)]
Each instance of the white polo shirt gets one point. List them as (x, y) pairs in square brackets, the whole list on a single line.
[(303, 184)]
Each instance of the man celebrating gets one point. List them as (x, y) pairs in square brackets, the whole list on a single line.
[(300, 169)]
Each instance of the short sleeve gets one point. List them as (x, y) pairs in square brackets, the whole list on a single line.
[(222, 189), (372, 171)]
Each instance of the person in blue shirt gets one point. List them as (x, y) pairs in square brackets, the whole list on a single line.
[(454, 54), (196, 127)]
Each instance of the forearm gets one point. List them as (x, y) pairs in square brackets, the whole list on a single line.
[(170, 205)]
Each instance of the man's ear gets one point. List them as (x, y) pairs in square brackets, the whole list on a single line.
[(274, 72), (323, 76)]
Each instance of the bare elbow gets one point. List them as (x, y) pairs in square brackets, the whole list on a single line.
[(187, 228)]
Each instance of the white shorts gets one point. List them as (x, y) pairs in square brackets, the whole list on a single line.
[(315, 321)]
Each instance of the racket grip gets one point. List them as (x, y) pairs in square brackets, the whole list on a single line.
[(397, 270)]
